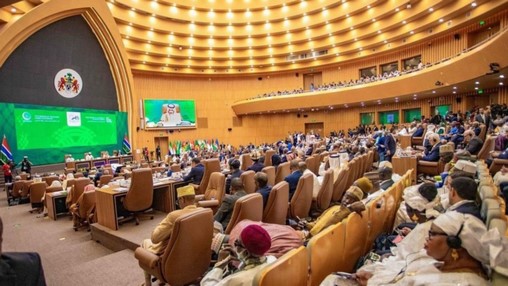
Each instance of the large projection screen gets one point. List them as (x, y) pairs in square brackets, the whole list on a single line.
[(47, 133), (169, 114)]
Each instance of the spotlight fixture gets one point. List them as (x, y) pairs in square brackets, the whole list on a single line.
[(494, 68), (438, 83)]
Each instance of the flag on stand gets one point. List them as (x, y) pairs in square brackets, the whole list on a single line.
[(171, 149), (5, 152), (178, 147), (126, 145), (215, 145)]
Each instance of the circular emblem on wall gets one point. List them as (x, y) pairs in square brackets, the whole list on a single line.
[(68, 83)]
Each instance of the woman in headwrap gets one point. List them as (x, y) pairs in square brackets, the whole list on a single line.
[(417, 205)]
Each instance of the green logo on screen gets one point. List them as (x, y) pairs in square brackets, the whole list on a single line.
[(26, 116)]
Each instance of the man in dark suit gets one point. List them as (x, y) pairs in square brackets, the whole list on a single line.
[(419, 131), (259, 163), (385, 178), (483, 116), (292, 179), (262, 186), (196, 172), (433, 154), (462, 195), (390, 145), (20, 268), (225, 211), (235, 172)]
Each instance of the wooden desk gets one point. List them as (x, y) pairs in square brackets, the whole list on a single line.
[(404, 140), (54, 203), (108, 200), (402, 164), (97, 162)]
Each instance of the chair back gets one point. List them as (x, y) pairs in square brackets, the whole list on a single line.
[(23, 176), (302, 198), (355, 236), (483, 132), (247, 207), (276, 208), (70, 182), (268, 157), (246, 161), (86, 203), (211, 165), (17, 188), (270, 173), (311, 162), (79, 188), (290, 269), (339, 185), (324, 196), (26, 188), (37, 192), (105, 179), (282, 172), (249, 185), (140, 194), (49, 179), (488, 145), (78, 175), (215, 188), (176, 168), (188, 253)]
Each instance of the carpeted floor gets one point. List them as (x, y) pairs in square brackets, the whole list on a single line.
[(68, 257)]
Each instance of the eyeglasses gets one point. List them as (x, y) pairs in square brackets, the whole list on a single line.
[(433, 233)]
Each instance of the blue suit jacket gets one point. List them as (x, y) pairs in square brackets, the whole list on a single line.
[(292, 180), (195, 174), (433, 155), (256, 167), (470, 208), (265, 192), (390, 144)]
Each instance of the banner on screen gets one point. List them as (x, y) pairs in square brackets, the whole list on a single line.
[(169, 114), (47, 133)]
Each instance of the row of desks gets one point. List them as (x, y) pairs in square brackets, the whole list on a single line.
[(109, 206), (88, 164)]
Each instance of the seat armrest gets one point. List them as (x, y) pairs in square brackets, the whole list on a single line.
[(428, 163), (199, 198), (208, 203), (146, 258)]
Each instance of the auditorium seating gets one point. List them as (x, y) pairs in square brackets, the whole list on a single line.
[(488, 146), (290, 269), (104, 180), (212, 198), (246, 161), (248, 182), (270, 173), (322, 200), (276, 208), (211, 165), (268, 157), (37, 192), (430, 168), (282, 172), (187, 255), (340, 184), (83, 211), (250, 207), (139, 198), (301, 201)]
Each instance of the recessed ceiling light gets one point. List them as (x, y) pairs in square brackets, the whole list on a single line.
[(501, 76), (454, 87), (476, 88), (473, 4), (477, 82), (13, 10), (431, 9), (501, 83)]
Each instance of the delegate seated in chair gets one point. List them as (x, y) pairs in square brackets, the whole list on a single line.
[(162, 233), (249, 251), (350, 203), (223, 215)]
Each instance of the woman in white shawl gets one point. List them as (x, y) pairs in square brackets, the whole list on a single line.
[(418, 205)]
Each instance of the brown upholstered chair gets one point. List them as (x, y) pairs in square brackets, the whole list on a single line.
[(49, 179), (496, 165), (188, 253), (415, 141), (105, 179), (290, 269), (17, 187), (355, 236), (301, 201), (268, 157), (176, 168), (322, 260), (248, 181), (83, 212), (312, 162), (339, 185), (323, 198), (78, 175), (25, 191), (246, 161), (23, 176), (270, 173), (37, 192), (77, 190), (139, 198), (483, 132), (282, 172), (276, 209), (430, 168), (212, 198), (488, 146), (247, 207), (211, 165)]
